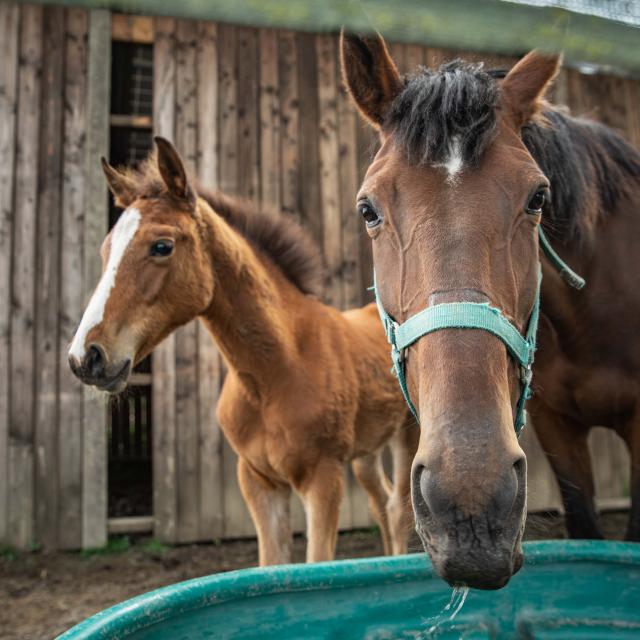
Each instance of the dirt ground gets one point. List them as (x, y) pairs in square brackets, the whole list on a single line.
[(43, 594)]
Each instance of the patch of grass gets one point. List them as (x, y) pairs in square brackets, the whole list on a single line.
[(7, 552), (154, 546), (117, 544)]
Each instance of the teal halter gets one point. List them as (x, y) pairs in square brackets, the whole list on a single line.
[(475, 315)]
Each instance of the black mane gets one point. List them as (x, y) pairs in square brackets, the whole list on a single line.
[(439, 112), (590, 168), (453, 109)]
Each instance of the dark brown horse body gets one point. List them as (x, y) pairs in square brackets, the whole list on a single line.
[(468, 167)]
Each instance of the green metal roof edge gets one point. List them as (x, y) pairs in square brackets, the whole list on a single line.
[(492, 26)]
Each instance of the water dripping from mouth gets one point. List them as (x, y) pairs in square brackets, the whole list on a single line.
[(448, 613)]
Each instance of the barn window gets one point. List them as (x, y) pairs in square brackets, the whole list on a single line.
[(130, 424)]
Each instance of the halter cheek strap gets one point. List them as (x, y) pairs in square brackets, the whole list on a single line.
[(473, 315)]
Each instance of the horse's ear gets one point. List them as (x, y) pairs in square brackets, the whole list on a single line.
[(120, 184), (370, 75), (524, 87), (173, 172)]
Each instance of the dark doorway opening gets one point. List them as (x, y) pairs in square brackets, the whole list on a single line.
[(130, 436)]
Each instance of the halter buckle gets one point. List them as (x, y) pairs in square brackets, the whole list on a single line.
[(526, 374)]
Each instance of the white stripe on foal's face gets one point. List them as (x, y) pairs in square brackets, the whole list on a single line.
[(121, 236)]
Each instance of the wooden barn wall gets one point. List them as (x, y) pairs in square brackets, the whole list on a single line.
[(54, 74), (256, 112)]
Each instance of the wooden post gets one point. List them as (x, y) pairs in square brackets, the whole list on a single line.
[(165, 501), (72, 294), (329, 171), (186, 364), (289, 169), (310, 201), (227, 110), (247, 101), (94, 444), (209, 435), (9, 30), (269, 161), (21, 463), (48, 290)]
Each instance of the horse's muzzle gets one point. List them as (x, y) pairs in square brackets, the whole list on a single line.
[(478, 547), (94, 369)]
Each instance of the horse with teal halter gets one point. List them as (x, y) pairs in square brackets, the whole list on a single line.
[(475, 315)]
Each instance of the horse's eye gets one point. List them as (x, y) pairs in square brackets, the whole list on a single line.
[(161, 248), (370, 215), (537, 201)]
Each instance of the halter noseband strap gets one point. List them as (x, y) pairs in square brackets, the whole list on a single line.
[(474, 315)]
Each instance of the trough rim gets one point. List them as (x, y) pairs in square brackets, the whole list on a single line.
[(156, 606)]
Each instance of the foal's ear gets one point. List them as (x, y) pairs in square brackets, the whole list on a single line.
[(120, 184), (524, 87), (370, 75), (173, 172)]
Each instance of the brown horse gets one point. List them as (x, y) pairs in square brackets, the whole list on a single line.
[(470, 163), (308, 388)]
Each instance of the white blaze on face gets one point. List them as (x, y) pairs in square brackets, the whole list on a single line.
[(121, 236), (454, 162)]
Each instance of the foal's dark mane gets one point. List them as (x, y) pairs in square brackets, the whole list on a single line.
[(590, 167), (281, 239)]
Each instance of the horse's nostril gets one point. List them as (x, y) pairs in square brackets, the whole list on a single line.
[(94, 361)]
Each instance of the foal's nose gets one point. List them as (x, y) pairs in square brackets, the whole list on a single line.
[(93, 365), (95, 362)]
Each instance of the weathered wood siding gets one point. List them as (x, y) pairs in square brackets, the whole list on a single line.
[(257, 112), (54, 79)]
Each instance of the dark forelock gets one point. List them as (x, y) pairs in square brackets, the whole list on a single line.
[(437, 111)]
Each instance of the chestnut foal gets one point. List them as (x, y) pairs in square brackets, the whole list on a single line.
[(308, 388)]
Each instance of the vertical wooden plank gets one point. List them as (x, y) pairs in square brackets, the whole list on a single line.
[(47, 295), (269, 162), (367, 142), (611, 463), (210, 437), (632, 94), (72, 293), (23, 283), (414, 56), (542, 490), (352, 225), (207, 126), (236, 520), (289, 123), (187, 454), (308, 141), (329, 178), (94, 445), (228, 125), (9, 29), (398, 54), (165, 501), (247, 100)]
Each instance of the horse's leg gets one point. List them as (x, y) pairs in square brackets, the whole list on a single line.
[(403, 448), (269, 508), (565, 443), (370, 474), (321, 492)]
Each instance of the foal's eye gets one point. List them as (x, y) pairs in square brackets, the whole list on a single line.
[(537, 201), (370, 215), (161, 248)]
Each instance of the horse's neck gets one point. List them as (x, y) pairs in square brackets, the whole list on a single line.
[(249, 316)]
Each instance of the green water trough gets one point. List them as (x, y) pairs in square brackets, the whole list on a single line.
[(567, 589)]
